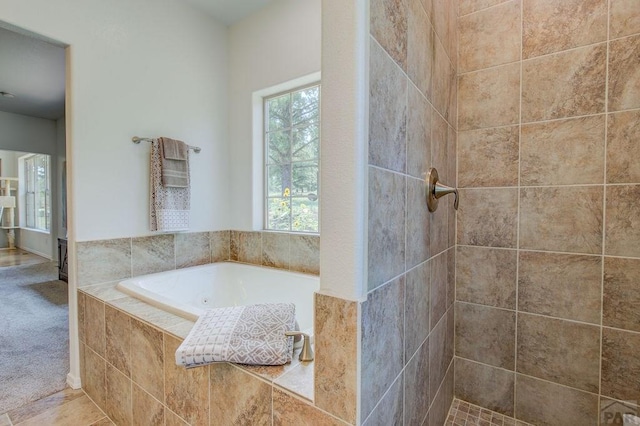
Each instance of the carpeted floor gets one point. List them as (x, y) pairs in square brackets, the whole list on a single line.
[(34, 334)]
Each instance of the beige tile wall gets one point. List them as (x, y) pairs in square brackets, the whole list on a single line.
[(128, 368), (407, 320), (548, 256), (110, 260)]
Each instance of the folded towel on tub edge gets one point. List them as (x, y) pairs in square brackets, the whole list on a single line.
[(252, 334)]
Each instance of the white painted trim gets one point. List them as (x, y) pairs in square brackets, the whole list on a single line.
[(257, 142), (74, 381), (74, 340)]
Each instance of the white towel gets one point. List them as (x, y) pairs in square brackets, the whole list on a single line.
[(169, 206), (252, 334)]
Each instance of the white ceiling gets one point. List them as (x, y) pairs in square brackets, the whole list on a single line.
[(34, 71), (229, 11)]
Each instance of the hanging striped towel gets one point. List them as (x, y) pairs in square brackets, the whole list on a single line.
[(169, 206), (252, 334)]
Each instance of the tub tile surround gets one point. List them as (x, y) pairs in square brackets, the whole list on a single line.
[(562, 289), (103, 261), (407, 320), (150, 386)]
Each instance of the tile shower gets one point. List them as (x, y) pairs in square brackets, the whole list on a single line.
[(524, 303), (548, 238)]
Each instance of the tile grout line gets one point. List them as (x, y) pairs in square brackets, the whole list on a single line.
[(604, 203), (519, 216)]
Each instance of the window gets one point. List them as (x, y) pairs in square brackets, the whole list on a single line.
[(292, 147), (37, 192)]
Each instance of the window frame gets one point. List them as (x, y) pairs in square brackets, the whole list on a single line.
[(33, 178), (264, 96)]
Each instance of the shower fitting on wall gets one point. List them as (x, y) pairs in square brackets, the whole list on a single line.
[(436, 190)]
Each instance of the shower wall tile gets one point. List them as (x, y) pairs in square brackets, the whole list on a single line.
[(386, 224), (490, 37), (94, 325), (305, 253), (118, 340), (566, 152), (443, 14), (621, 293), (382, 333), (387, 111), (483, 385), (146, 410), (488, 157), (442, 401), (620, 364), (625, 18), (439, 145), (246, 247), (418, 224), (489, 98), (565, 84), (416, 386), (440, 355), (488, 217), (118, 399), (147, 358), (560, 351), (420, 42), (443, 75), (102, 261), (550, 26), (623, 221), (95, 377), (487, 276), (560, 285), (624, 77), (438, 287), (153, 254), (543, 403), (451, 277), (275, 250), (336, 352), (388, 22), (391, 407), (485, 334), (416, 309), (438, 227), (469, 6), (220, 242), (561, 219), (237, 397), (623, 147), (418, 134), (192, 249), (186, 391)]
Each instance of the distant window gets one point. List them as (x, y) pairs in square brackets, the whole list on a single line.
[(37, 192), (292, 169)]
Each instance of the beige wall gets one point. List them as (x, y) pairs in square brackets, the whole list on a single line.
[(548, 257), (407, 320)]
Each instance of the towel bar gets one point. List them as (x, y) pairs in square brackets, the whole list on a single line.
[(137, 140)]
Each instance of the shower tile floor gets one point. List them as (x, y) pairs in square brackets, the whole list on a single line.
[(464, 414)]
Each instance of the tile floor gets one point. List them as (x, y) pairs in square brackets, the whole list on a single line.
[(464, 414), (19, 257), (67, 407)]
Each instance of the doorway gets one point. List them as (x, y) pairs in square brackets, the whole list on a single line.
[(34, 302)]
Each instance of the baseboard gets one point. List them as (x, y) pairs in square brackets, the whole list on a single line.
[(73, 381), (37, 253)]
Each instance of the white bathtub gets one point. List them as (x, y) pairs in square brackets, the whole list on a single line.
[(189, 292)]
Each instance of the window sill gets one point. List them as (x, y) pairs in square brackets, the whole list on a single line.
[(39, 231)]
